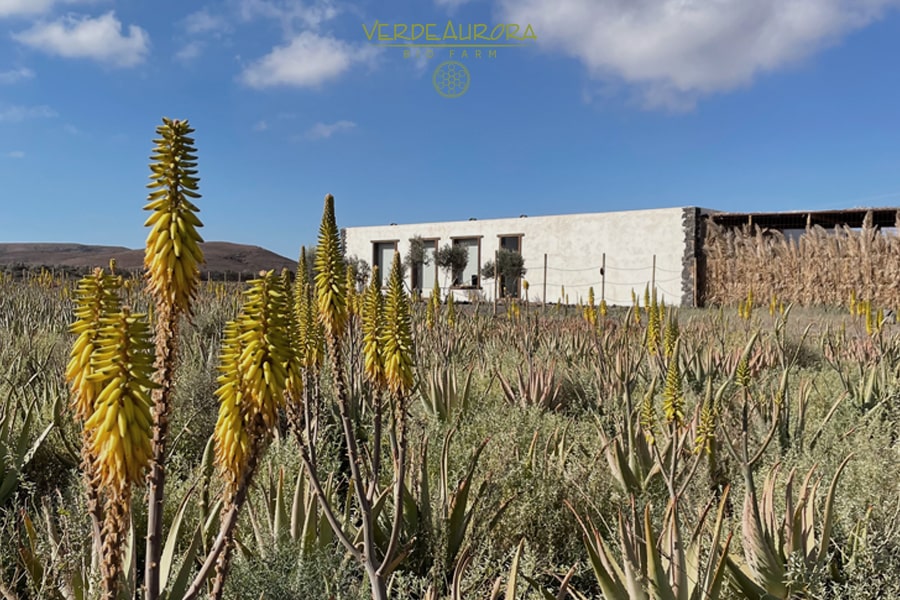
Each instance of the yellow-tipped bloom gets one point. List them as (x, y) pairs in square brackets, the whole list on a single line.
[(399, 352), (96, 298), (253, 365), (119, 430), (673, 397), (294, 381), (373, 330), (310, 340), (173, 255), (331, 281), (451, 310), (232, 434), (352, 295)]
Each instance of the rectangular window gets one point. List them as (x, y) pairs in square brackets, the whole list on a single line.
[(511, 242), (383, 258), (425, 274), (470, 276), (509, 287)]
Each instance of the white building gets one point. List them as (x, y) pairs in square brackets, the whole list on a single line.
[(612, 252)]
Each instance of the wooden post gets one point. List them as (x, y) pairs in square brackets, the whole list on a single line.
[(496, 278), (653, 275), (544, 293), (603, 279)]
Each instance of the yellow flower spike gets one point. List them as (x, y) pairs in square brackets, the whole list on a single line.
[(373, 329), (294, 381), (673, 397), (352, 295), (96, 298), (451, 310), (173, 255), (254, 363), (119, 430), (231, 431), (429, 314), (331, 281), (436, 298), (399, 352), (671, 336)]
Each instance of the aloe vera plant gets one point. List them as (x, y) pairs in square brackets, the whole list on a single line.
[(659, 566), (18, 444), (535, 387), (442, 397), (783, 552)]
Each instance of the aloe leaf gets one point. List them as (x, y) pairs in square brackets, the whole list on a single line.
[(168, 554), (828, 516)]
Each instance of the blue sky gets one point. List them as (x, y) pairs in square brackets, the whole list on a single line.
[(618, 104)]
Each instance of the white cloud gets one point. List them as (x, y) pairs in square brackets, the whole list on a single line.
[(326, 130), (290, 13), (189, 51), (17, 114), (261, 126), (15, 154), (71, 129), (676, 51), (15, 8), (30, 8), (99, 39), (15, 75), (308, 60), (203, 21)]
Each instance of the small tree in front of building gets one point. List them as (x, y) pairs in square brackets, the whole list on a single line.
[(452, 260), (510, 267)]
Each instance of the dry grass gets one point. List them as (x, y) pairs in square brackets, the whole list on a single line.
[(821, 267)]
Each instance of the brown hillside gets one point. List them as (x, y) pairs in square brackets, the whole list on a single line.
[(221, 257)]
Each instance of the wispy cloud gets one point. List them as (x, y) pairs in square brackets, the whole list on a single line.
[(674, 52), (17, 114), (16, 8), (71, 129), (15, 154), (308, 60), (15, 75), (293, 16), (260, 126), (205, 22), (100, 39), (321, 131), (190, 51)]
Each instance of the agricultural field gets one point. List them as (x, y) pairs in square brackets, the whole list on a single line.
[(301, 436)]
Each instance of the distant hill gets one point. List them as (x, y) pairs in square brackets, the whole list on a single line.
[(223, 259)]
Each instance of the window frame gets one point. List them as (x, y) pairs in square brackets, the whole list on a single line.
[(459, 238)]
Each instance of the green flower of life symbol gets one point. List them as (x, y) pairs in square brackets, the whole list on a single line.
[(451, 79)]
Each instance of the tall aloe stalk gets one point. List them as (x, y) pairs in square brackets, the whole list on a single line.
[(172, 260), (389, 352)]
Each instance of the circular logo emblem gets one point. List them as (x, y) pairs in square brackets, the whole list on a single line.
[(451, 79)]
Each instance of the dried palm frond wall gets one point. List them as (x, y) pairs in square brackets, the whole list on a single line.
[(821, 267)]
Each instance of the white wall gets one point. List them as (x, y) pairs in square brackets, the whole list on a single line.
[(574, 245)]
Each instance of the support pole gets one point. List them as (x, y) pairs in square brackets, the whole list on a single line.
[(496, 278), (544, 293), (603, 279)]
